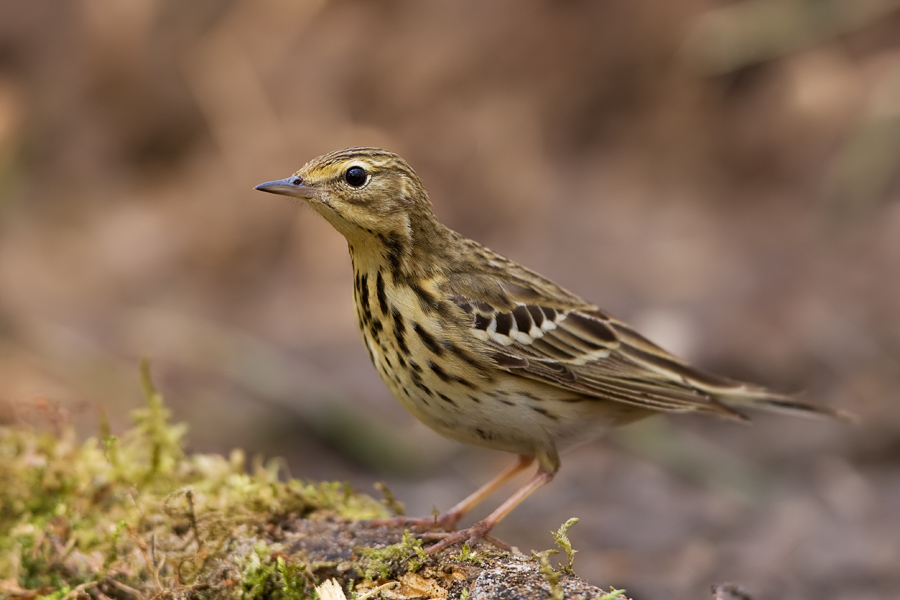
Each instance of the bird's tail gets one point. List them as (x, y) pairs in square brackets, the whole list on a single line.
[(760, 398)]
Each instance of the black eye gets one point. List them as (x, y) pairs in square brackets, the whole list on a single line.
[(355, 176)]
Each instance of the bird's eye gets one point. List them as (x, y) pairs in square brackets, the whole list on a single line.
[(355, 176)]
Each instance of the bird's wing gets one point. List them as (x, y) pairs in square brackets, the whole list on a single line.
[(558, 339)]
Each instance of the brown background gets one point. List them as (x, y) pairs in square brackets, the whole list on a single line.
[(722, 175)]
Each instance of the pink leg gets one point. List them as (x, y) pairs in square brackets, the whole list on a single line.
[(480, 529), (449, 520)]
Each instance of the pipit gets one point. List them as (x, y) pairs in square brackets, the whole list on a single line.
[(485, 351)]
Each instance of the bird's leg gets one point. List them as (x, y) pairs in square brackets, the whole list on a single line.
[(451, 517), (448, 520), (549, 467)]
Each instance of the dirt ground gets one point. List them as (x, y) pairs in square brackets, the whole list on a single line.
[(722, 175)]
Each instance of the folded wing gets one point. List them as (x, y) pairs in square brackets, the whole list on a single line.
[(583, 349)]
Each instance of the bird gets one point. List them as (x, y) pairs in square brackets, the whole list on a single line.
[(487, 352)]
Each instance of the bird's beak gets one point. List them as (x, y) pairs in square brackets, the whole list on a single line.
[(291, 186)]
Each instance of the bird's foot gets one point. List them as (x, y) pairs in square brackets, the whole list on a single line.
[(478, 531), (447, 522)]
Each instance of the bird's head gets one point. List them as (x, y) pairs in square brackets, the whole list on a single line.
[(363, 192)]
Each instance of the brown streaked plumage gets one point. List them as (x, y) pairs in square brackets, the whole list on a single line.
[(486, 351)]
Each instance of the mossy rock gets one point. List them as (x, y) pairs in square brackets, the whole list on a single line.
[(135, 517)]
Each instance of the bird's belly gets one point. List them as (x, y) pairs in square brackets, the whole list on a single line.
[(507, 413), (512, 417)]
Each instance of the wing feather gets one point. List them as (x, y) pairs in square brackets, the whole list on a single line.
[(561, 340), (532, 327)]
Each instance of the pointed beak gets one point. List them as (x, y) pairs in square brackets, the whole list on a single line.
[(291, 186)]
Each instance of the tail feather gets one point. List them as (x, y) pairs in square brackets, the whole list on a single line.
[(793, 404)]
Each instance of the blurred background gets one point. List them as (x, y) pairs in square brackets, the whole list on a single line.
[(723, 175)]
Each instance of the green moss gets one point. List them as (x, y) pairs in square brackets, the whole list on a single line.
[(466, 554), (553, 576), (562, 540), (133, 516), (275, 577), (390, 501), (134, 512), (613, 594), (385, 563)]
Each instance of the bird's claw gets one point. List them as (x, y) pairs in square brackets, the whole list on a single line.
[(446, 522), (478, 531)]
